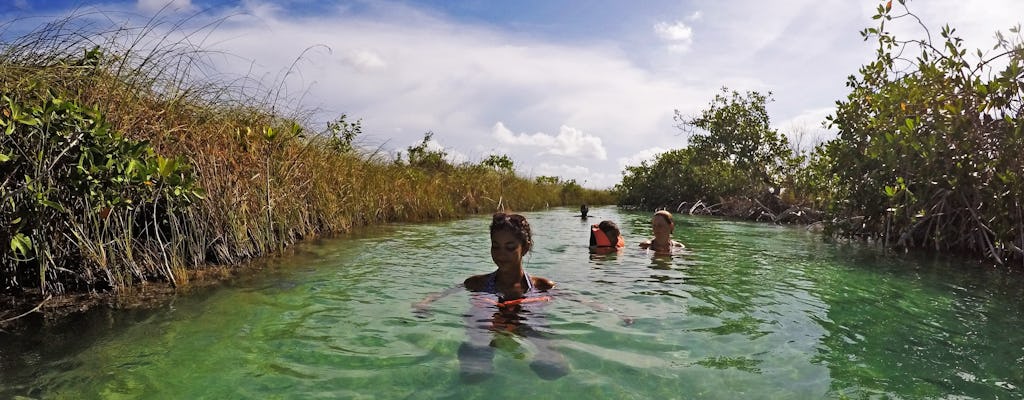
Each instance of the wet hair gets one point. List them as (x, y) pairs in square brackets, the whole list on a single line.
[(608, 226), (667, 216), (605, 226), (516, 225)]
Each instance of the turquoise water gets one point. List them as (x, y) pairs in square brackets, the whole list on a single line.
[(747, 311)]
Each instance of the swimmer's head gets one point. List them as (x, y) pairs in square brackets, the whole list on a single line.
[(663, 220), (516, 225), (612, 236)]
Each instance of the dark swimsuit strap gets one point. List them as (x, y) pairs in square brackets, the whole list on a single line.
[(489, 286)]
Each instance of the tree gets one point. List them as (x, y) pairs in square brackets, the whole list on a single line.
[(343, 133), (928, 151), (423, 157), (548, 180), (500, 163), (676, 176), (737, 131)]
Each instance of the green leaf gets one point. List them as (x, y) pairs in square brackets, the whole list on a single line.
[(21, 244), (133, 166), (166, 166), (52, 204)]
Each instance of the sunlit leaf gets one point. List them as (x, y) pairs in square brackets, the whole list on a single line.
[(21, 245)]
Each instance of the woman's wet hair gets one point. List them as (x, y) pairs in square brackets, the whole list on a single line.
[(667, 216), (608, 226), (516, 225)]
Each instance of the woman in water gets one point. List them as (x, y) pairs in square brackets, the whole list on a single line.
[(511, 239), (605, 238), (663, 227), (503, 300)]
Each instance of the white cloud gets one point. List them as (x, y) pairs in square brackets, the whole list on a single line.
[(569, 142), (364, 60), (164, 5), (696, 16), (635, 159), (678, 35)]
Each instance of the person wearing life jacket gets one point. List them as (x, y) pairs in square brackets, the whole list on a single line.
[(606, 236)]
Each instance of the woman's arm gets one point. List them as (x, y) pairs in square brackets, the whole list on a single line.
[(422, 307)]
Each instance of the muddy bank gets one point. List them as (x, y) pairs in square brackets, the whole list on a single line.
[(30, 308)]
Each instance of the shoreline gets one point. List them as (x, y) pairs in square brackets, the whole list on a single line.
[(31, 308)]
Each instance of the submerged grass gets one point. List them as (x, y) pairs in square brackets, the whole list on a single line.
[(126, 158)]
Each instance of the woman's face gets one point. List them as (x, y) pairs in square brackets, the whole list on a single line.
[(506, 249), (661, 226)]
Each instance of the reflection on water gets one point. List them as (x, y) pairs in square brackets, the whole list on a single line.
[(746, 311)]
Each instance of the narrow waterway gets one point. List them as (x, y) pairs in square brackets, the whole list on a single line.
[(747, 311)]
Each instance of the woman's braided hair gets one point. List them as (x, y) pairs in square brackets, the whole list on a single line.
[(515, 224)]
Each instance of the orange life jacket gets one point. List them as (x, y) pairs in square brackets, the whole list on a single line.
[(602, 239)]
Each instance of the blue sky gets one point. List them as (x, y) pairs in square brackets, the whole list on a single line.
[(577, 89)]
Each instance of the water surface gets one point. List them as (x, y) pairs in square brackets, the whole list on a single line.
[(747, 311)]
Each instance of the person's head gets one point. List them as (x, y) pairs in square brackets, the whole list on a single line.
[(662, 223), (510, 238), (606, 234)]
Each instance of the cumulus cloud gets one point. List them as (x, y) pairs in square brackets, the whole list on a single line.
[(678, 35), (648, 154), (162, 5), (569, 142), (364, 60)]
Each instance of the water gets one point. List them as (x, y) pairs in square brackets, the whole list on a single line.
[(748, 311)]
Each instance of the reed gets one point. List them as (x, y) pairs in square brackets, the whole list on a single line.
[(126, 159)]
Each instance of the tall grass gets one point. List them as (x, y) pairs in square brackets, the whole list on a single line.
[(217, 173)]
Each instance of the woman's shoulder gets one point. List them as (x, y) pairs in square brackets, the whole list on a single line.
[(476, 283)]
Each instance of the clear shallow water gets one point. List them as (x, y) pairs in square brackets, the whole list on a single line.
[(748, 311)]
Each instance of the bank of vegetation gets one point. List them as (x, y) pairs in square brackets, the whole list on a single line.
[(124, 162), (927, 156)]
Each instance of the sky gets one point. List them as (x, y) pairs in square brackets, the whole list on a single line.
[(578, 89)]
